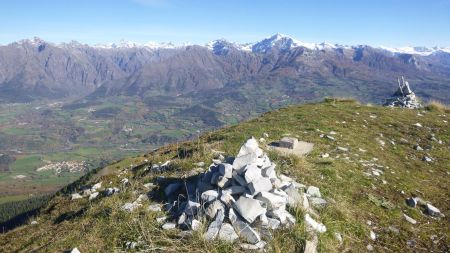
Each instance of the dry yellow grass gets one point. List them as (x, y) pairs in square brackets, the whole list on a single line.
[(435, 105)]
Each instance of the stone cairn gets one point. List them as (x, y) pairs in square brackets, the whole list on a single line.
[(242, 198), (403, 97)]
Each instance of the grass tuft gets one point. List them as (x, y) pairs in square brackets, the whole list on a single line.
[(435, 105)]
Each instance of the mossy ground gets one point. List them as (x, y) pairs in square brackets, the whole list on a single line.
[(354, 197)]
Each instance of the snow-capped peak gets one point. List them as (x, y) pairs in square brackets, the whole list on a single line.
[(284, 42), (121, 44), (222, 46), (35, 41), (157, 45)]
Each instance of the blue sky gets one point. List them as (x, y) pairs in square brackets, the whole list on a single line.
[(373, 22)]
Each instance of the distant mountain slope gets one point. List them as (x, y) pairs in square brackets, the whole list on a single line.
[(33, 69)]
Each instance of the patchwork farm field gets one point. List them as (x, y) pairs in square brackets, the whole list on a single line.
[(101, 130), (35, 135)]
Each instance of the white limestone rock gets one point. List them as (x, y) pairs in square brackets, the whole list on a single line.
[(342, 149), (273, 201), (269, 171), (273, 223), (281, 214), (131, 245), (214, 227), (181, 219), (338, 237), (111, 191), (161, 219), (75, 250), (209, 195), (169, 225), (257, 246), (96, 186), (285, 178), (314, 225), (227, 199), (243, 229), (129, 207), (241, 161), (409, 219), (305, 202), (252, 173), (294, 197), (313, 192), (227, 233), (124, 181), (311, 245), (250, 147), (76, 196), (248, 208), (432, 210), (141, 198), (213, 208), (262, 184), (324, 155), (318, 202), (418, 148), (93, 195), (196, 225), (373, 236), (427, 159)]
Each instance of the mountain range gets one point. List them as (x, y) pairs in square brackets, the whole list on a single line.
[(35, 69)]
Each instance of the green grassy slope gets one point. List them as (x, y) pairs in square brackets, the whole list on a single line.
[(355, 198)]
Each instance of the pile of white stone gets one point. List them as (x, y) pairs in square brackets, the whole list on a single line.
[(92, 192), (404, 97), (244, 199)]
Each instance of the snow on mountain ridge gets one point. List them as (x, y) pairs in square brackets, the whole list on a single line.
[(423, 51), (220, 46), (280, 41), (130, 44)]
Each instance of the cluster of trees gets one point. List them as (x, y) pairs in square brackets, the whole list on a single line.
[(13, 214), (5, 160)]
